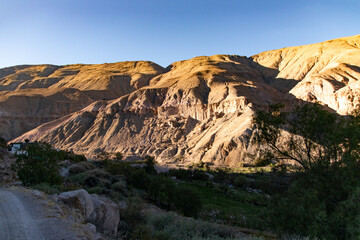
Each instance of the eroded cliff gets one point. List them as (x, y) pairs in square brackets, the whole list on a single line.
[(33, 95), (201, 109)]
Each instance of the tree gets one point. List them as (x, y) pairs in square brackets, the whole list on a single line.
[(39, 164), (326, 147), (317, 137), (150, 165)]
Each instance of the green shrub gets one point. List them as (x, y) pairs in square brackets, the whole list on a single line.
[(161, 190), (169, 226), (95, 190), (132, 215), (119, 186), (46, 188), (80, 167), (92, 178), (119, 168), (3, 143), (182, 174), (75, 158), (39, 165), (264, 160), (221, 175), (320, 207), (118, 156), (139, 179), (150, 165), (199, 175), (240, 181), (187, 201)]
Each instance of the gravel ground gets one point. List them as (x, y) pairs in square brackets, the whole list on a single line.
[(30, 215)]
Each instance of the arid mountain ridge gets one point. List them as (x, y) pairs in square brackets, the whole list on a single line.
[(194, 110), (33, 95)]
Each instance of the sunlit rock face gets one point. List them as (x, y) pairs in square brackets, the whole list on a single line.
[(33, 95), (328, 72), (201, 109)]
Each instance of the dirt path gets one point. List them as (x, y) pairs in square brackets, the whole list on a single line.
[(27, 216), (15, 221)]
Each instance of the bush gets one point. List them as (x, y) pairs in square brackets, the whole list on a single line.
[(132, 215), (92, 178), (199, 175), (150, 165), (95, 190), (3, 143), (318, 207), (119, 186), (180, 173), (169, 226), (80, 167), (265, 160), (187, 201), (161, 190), (46, 188), (75, 158), (240, 181), (139, 179), (39, 165), (119, 168)]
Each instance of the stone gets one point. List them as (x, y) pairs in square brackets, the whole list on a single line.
[(91, 228), (78, 199), (106, 215)]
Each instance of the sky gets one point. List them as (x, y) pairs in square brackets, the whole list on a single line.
[(164, 31)]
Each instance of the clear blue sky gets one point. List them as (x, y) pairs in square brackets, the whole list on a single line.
[(164, 31)]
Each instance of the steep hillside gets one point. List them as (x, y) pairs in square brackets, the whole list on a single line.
[(198, 110), (201, 109), (33, 95), (329, 72)]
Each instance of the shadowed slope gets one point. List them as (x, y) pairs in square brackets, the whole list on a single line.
[(32, 95)]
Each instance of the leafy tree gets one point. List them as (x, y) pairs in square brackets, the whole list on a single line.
[(317, 137), (38, 165), (326, 146)]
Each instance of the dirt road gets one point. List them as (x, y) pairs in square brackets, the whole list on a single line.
[(25, 216)]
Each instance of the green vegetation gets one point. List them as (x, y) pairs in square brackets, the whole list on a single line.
[(40, 164), (320, 202)]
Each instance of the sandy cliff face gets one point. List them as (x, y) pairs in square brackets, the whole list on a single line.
[(327, 72), (33, 95), (201, 109)]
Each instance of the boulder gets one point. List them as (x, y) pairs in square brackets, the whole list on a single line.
[(78, 199), (106, 214)]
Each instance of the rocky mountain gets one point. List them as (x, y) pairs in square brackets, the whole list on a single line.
[(328, 72), (33, 95), (201, 109)]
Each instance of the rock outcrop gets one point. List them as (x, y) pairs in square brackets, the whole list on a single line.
[(96, 209), (201, 109), (6, 160), (106, 214), (327, 72), (78, 199)]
